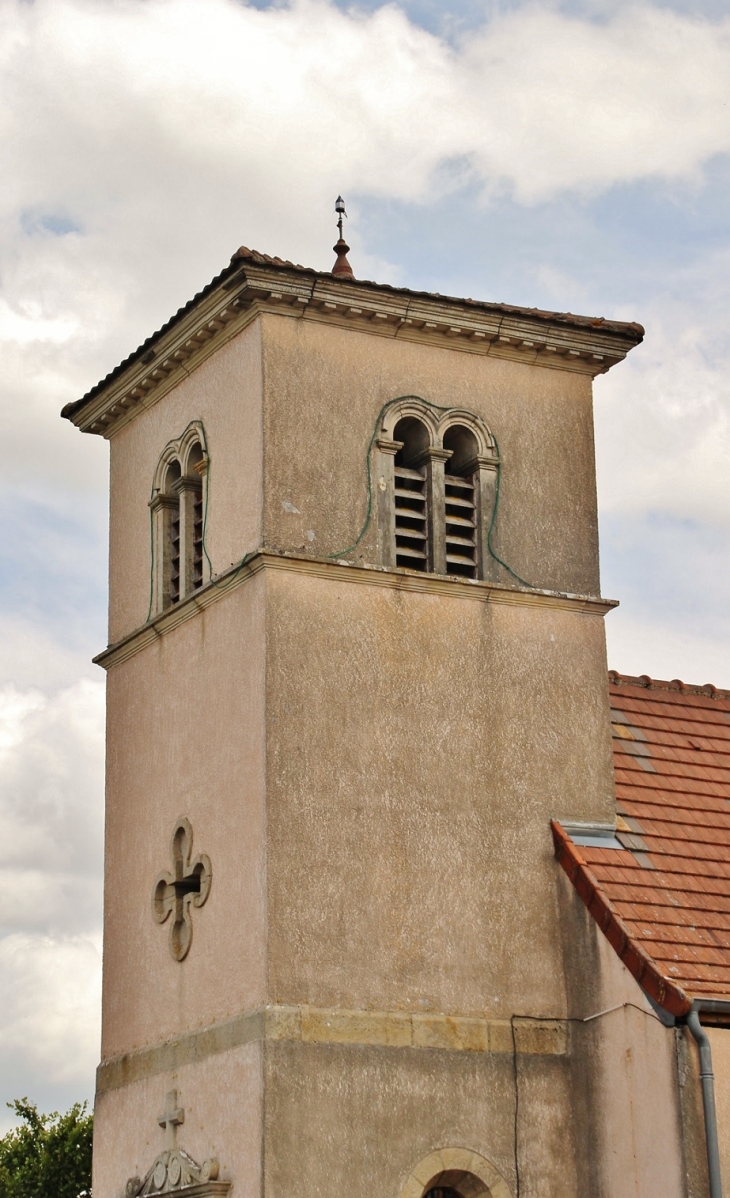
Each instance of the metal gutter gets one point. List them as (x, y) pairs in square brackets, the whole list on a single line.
[(712, 1006), (707, 1079)]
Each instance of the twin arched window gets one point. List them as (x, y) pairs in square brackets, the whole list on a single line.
[(436, 486), (178, 520), (436, 481)]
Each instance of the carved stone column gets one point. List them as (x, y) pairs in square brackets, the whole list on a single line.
[(484, 469), (384, 485), (435, 460), (188, 490), (163, 508)]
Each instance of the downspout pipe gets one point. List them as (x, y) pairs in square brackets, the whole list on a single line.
[(708, 1101)]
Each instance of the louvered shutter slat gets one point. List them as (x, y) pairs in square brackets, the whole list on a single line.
[(411, 530), (460, 512), (175, 558), (198, 540)]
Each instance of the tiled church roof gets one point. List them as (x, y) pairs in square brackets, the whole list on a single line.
[(663, 900)]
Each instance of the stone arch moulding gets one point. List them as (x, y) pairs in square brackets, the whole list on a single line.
[(415, 407), (179, 451), (413, 529), (178, 509), (461, 1169), (486, 444)]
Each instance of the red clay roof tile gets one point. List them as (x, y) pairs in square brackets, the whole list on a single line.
[(665, 909)]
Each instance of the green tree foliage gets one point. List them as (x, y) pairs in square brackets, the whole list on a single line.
[(47, 1156)]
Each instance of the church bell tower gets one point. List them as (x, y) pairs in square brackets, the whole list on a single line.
[(356, 663)]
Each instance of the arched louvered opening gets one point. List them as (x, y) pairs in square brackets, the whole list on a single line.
[(411, 503), (171, 477), (442, 1192), (194, 460), (460, 502), (177, 508)]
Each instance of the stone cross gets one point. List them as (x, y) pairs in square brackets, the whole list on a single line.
[(170, 1119), (175, 891)]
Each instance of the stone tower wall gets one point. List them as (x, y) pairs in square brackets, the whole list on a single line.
[(370, 759)]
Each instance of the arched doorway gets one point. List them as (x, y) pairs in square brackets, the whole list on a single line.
[(455, 1173)]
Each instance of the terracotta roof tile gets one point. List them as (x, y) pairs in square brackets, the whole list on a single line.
[(666, 910)]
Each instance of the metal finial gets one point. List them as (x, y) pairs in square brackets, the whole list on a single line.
[(341, 268), (340, 210)]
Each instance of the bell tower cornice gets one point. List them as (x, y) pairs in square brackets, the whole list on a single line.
[(254, 284), (324, 568)]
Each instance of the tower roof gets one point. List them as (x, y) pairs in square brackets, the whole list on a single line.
[(590, 345)]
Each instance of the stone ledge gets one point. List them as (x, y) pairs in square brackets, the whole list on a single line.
[(317, 567), (321, 1025), (538, 1037)]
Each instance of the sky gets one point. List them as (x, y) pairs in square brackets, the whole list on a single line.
[(572, 156)]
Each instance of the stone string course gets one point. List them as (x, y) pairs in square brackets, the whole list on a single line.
[(316, 567), (318, 1025)]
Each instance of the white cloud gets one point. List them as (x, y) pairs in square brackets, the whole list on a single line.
[(14, 708), (163, 133), (576, 103), (32, 656), (50, 994), (538, 98), (666, 649), (51, 826), (46, 1020), (28, 326), (663, 417), (51, 821), (51, 808)]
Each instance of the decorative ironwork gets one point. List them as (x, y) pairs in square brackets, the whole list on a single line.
[(341, 268)]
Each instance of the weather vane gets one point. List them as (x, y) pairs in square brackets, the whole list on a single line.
[(340, 210), (341, 268)]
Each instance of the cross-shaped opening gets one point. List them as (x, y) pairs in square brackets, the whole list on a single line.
[(187, 885)]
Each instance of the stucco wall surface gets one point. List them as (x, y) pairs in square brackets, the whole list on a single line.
[(638, 1100), (545, 1129), (417, 748), (625, 1079), (356, 1120), (185, 738), (225, 394), (720, 1043), (371, 770), (323, 389), (222, 1098)]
